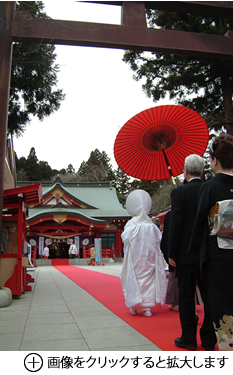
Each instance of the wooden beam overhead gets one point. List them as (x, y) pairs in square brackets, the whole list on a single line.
[(131, 34), (203, 8)]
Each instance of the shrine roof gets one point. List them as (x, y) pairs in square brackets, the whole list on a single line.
[(97, 214), (71, 193), (37, 212), (99, 200)]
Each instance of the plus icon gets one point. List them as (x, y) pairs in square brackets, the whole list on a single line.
[(33, 362)]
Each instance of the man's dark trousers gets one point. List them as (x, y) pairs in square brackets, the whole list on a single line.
[(188, 275)]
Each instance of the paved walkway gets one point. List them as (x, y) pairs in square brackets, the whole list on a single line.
[(58, 315)]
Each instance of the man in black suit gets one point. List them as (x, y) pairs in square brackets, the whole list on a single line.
[(183, 209)]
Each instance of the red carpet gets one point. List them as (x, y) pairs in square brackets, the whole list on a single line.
[(162, 328), (60, 262)]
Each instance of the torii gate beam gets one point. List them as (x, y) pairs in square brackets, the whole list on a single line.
[(133, 34)]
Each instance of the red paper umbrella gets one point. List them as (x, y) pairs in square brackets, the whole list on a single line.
[(153, 144)]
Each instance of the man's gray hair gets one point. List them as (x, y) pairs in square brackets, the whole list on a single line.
[(194, 164)]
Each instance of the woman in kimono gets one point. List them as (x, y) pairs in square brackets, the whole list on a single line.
[(213, 237), (143, 276)]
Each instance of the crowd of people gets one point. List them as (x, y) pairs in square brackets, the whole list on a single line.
[(197, 243)]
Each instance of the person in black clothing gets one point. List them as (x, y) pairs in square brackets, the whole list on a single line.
[(183, 209), (172, 283), (213, 242)]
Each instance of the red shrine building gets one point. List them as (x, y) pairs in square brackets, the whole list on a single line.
[(71, 212)]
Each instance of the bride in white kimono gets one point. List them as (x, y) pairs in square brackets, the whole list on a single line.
[(143, 276)]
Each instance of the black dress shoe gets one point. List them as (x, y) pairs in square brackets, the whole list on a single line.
[(181, 344), (208, 348)]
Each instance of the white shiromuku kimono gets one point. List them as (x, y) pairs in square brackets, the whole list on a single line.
[(143, 276)]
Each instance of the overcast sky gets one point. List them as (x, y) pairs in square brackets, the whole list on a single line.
[(101, 96)]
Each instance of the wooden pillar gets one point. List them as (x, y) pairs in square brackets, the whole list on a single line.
[(97, 234), (19, 282), (133, 13), (6, 18), (119, 242)]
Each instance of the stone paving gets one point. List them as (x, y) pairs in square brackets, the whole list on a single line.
[(58, 315)]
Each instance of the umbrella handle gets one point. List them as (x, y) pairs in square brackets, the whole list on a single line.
[(169, 168)]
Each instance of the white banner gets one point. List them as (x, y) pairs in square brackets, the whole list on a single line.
[(76, 242), (41, 245)]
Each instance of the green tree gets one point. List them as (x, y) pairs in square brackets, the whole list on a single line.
[(62, 171), (202, 84), (96, 168), (106, 165), (33, 78), (93, 169), (20, 162), (46, 171), (32, 167), (162, 197), (20, 165), (123, 185), (70, 169), (150, 186), (82, 168)]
